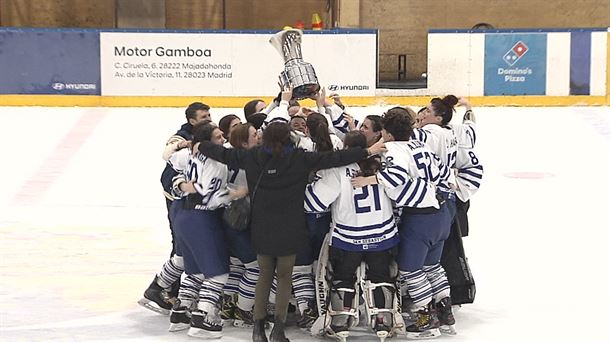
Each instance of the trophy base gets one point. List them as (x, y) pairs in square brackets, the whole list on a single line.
[(305, 91), (302, 78)]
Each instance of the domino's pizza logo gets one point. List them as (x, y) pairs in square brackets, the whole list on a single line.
[(515, 53)]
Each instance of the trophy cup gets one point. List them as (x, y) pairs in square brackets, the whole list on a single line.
[(297, 73)]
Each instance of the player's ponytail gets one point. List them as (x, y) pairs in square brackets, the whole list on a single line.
[(444, 107), (318, 131)]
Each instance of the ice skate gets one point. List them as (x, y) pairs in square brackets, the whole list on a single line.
[(308, 317), (445, 316), (339, 327), (427, 325), (227, 312), (204, 325), (179, 318), (407, 310), (156, 299), (243, 319), (383, 325)]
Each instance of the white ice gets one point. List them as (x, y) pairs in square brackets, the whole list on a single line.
[(83, 226)]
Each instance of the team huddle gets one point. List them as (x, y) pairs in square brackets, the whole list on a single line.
[(380, 199)]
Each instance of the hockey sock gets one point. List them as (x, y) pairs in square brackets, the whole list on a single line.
[(302, 285), (418, 286), (171, 271), (189, 290), (211, 292), (236, 272), (438, 280), (247, 286)]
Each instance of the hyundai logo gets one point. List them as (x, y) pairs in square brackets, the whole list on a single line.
[(333, 87), (58, 86)]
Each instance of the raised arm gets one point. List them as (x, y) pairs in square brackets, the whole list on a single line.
[(234, 158)]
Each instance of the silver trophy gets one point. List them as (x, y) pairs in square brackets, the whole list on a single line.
[(297, 73)]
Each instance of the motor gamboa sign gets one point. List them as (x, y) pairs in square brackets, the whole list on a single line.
[(226, 64)]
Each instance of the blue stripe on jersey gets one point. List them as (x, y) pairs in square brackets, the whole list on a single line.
[(379, 246), (311, 194), (419, 184), (277, 119), (468, 171), (473, 135), (444, 174), (421, 197), (387, 177), (473, 182), (338, 121), (373, 226), (420, 134), (342, 129), (401, 171), (405, 190), (386, 233), (308, 206)]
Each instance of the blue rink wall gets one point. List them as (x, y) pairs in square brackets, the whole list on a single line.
[(67, 67)]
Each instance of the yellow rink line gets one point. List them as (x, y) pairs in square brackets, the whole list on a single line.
[(236, 102)]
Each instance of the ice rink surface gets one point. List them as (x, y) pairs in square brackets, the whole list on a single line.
[(83, 227)]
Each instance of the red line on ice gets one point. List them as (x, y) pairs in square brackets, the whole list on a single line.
[(39, 183)]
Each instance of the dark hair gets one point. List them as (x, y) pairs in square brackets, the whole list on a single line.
[(318, 131), (202, 131), (355, 139), (444, 107), (193, 108), (483, 26), (257, 119), (298, 117), (368, 166), (376, 120), (225, 124), (421, 109), (250, 107), (276, 137), (240, 135), (397, 122)]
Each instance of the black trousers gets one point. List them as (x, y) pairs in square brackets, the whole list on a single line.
[(461, 215), (345, 263), (168, 204)]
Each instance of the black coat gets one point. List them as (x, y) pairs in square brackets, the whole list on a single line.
[(278, 225)]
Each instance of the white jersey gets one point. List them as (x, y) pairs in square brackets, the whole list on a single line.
[(411, 172), (339, 123), (209, 177), (362, 219), (442, 142), (469, 170), (308, 145), (179, 161)]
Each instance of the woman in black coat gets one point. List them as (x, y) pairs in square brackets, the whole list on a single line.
[(278, 225)]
